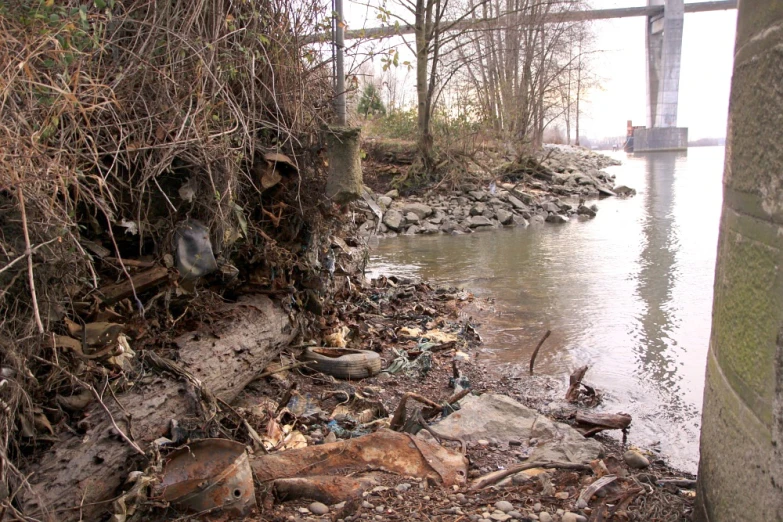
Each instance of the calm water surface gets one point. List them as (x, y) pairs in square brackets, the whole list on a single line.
[(628, 293)]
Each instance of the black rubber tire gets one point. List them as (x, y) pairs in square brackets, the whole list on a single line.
[(344, 363)]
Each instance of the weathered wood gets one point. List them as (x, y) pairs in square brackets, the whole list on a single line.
[(609, 421), (496, 476), (88, 469), (141, 282), (589, 424), (575, 380)]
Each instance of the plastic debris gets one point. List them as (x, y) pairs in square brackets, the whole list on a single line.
[(193, 250)]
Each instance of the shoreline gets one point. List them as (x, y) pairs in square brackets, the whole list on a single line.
[(554, 190)]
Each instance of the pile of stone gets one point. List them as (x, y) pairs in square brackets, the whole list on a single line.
[(463, 212), (556, 194)]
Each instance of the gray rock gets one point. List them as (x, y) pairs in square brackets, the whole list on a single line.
[(437, 219), (498, 416), (504, 505), (572, 517), (605, 191), (478, 209), (448, 227), (394, 194), (499, 516), (516, 515), (624, 191), (594, 207), (516, 203), (635, 460), (527, 199), (478, 195), (537, 219), (556, 218), (544, 517), (430, 228), (537, 507), (550, 206), (585, 211), (403, 487), (520, 478), (505, 217), (420, 209), (520, 221), (412, 230), (412, 218), (581, 503), (317, 508), (479, 221), (393, 219), (385, 201)]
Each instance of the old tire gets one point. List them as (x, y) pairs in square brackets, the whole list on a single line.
[(344, 363)]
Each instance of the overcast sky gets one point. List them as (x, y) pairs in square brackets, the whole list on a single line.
[(707, 58)]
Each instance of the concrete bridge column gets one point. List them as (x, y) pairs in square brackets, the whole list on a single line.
[(741, 468), (664, 52)]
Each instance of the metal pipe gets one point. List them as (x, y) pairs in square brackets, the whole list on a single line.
[(339, 44)]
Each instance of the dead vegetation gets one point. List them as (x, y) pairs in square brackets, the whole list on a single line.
[(120, 120)]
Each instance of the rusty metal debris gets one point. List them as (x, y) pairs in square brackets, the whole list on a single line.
[(210, 474), (393, 452)]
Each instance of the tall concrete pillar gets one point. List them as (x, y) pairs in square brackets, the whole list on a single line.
[(664, 51), (741, 468)]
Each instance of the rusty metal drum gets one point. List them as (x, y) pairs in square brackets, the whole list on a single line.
[(210, 475)]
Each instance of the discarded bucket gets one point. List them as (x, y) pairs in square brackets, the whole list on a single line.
[(210, 474)]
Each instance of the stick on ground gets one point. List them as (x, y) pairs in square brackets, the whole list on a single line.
[(535, 352)]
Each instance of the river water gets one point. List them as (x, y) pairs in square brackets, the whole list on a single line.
[(628, 293)]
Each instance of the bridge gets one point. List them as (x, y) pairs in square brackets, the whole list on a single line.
[(664, 51)]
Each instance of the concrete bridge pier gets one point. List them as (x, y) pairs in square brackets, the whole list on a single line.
[(741, 468), (664, 53)]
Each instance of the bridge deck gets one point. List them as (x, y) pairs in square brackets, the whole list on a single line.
[(573, 16)]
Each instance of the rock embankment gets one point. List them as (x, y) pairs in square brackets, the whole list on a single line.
[(553, 190)]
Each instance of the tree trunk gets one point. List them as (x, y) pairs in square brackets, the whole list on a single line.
[(424, 140), (86, 470)]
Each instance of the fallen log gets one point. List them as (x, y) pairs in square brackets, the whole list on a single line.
[(80, 473), (591, 423)]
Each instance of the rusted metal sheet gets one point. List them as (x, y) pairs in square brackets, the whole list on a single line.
[(386, 450), (329, 490)]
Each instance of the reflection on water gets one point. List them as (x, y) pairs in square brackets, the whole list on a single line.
[(629, 293)]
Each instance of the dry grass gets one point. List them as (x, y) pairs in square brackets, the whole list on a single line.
[(105, 113)]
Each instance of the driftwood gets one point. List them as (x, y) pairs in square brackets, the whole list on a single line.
[(496, 476), (589, 424), (575, 381), (82, 472)]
